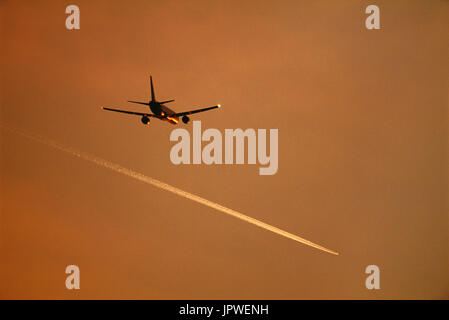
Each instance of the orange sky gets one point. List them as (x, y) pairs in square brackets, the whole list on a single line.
[(362, 119)]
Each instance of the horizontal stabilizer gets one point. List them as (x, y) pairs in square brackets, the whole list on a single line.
[(144, 103), (166, 101)]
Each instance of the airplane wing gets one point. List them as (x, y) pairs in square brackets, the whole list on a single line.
[(180, 114), (132, 112)]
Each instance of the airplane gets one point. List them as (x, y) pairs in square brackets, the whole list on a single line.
[(160, 111)]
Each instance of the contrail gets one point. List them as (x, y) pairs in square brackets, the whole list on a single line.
[(164, 186)]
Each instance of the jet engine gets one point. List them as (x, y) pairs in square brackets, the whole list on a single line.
[(185, 119), (145, 120)]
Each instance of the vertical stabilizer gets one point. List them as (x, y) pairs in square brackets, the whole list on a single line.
[(152, 89)]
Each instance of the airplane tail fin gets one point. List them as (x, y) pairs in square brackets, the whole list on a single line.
[(153, 98)]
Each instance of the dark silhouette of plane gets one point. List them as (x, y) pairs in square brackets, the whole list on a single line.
[(160, 111)]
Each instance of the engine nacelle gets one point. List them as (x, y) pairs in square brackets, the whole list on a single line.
[(145, 120), (185, 119)]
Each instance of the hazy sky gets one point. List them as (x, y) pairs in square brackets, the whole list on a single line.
[(362, 118)]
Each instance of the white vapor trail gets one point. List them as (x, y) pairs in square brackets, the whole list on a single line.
[(164, 186)]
